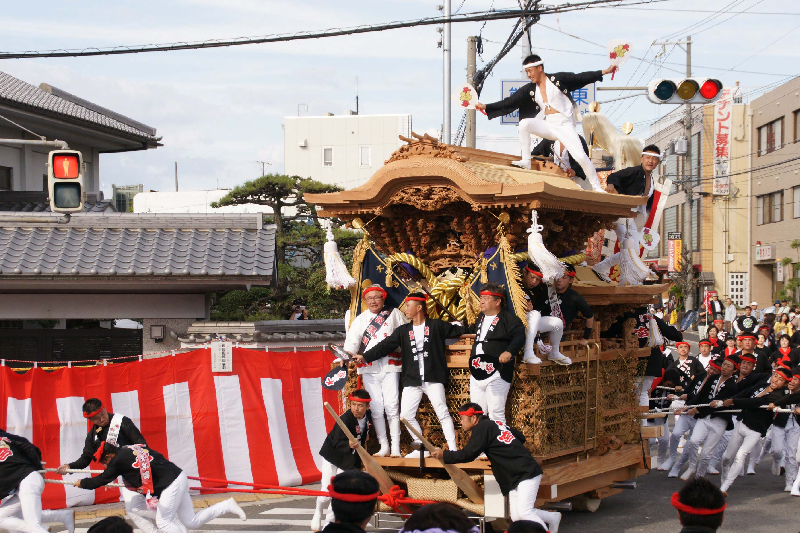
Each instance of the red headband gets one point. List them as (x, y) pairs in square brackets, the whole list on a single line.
[(470, 412), (490, 293), (416, 299), (784, 374), (735, 364), (747, 336), (718, 321), (99, 453), (90, 415), (676, 503), (374, 288), (534, 272), (705, 343), (680, 343), (748, 357), (570, 273), (354, 399), (345, 497), (715, 365)]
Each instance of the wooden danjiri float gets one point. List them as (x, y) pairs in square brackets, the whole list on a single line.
[(451, 218)]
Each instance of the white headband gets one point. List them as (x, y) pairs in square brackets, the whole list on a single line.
[(652, 154), (536, 64)]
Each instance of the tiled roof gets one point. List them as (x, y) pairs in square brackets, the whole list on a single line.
[(34, 206), (134, 245), (326, 330), (16, 91)]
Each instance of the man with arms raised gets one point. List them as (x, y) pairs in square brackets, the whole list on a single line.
[(381, 378)]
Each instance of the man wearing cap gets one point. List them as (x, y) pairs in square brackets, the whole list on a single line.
[(536, 294), (339, 453), (631, 181), (424, 371), (546, 109), (690, 371), (117, 430), (561, 308), (499, 337), (381, 378), (755, 420), (786, 434), (700, 505), (707, 432), (513, 466)]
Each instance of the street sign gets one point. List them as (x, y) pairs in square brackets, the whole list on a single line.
[(582, 98), (674, 235), (222, 356)]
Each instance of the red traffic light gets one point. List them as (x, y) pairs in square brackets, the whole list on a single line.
[(710, 89), (66, 166)]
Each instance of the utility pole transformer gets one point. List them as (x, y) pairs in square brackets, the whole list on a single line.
[(472, 47)]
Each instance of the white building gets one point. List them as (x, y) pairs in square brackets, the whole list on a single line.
[(190, 202), (341, 150)]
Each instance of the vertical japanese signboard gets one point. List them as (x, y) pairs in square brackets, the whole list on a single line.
[(674, 249), (222, 356), (582, 98), (722, 143)]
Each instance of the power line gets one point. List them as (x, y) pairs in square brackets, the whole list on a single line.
[(333, 32)]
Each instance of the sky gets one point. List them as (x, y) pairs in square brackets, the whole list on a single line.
[(222, 110)]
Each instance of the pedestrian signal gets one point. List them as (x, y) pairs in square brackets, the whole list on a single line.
[(684, 90), (65, 181)]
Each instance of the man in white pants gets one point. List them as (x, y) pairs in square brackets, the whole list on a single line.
[(163, 483), (117, 430), (792, 453), (546, 110), (499, 337), (513, 466), (754, 423), (381, 378), (422, 345), (631, 181), (785, 436), (21, 488)]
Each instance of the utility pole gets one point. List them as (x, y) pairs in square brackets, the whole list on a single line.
[(447, 89), (263, 165), (176, 176), (472, 47)]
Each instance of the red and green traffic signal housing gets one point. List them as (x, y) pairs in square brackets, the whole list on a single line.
[(684, 90), (65, 181)]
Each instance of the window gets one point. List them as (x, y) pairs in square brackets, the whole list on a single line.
[(327, 157), (365, 156), (769, 208), (5, 179), (770, 137), (737, 287), (797, 125), (796, 202)]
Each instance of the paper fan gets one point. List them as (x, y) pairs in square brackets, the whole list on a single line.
[(619, 50)]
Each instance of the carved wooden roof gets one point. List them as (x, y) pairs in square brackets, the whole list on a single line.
[(480, 178)]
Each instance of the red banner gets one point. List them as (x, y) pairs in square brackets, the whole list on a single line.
[(262, 422)]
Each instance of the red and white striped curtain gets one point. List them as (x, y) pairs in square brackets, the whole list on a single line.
[(263, 422)]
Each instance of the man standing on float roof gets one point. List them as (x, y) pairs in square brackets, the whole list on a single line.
[(546, 109), (381, 378)]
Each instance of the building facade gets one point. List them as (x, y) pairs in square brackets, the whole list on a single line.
[(341, 150), (774, 191), (123, 195)]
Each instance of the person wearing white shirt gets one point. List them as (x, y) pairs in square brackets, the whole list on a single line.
[(730, 315), (381, 378)]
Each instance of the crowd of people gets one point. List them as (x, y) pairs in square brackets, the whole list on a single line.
[(734, 402)]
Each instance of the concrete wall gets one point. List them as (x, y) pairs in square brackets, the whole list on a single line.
[(345, 134), (178, 325), (782, 102), (29, 163)]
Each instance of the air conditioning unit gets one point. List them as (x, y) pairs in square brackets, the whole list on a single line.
[(303, 143)]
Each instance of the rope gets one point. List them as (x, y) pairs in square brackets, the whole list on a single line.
[(665, 388), (394, 499), (72, 471), (64, 482)]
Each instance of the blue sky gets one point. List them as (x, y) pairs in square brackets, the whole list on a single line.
[(221, 110)]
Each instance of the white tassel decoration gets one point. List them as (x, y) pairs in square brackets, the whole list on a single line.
[(655, 337), (549, 264), (336, 274), (632, 270)]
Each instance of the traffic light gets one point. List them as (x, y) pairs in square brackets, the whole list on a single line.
[(65, 181), (684, 90)]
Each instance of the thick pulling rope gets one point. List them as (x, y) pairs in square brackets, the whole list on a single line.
[(64, 482), (71, 471), (394, 499)]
